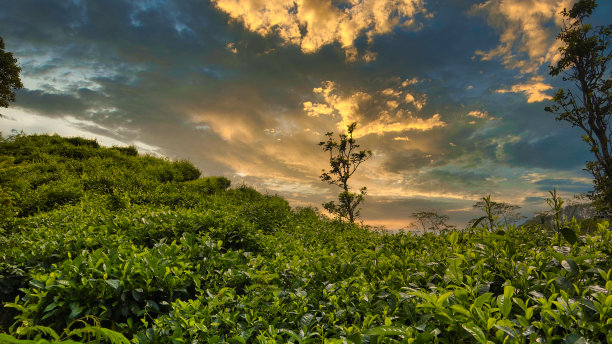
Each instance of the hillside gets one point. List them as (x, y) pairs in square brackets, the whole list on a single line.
[(104, 245)]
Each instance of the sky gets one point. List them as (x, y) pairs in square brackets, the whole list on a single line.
[(449, 95)]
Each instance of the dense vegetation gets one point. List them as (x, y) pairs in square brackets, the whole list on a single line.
[(102, 245)]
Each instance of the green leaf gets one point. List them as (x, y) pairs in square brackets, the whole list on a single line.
[(291, 334), (5, 338), (28, 331), (114, 283), (462, 310), (571, 266), (574, 339), (563, 283), (101, 332), (50, 307), (386, 331), (569, 235), (75, 310), (37, 284), (443, 298), (453, 238), (306, 320), (476, 332), (509, 331), (482, 299), (507, 300), (478, 221), (237, 339)]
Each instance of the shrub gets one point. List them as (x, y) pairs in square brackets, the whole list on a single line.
[(210, 185), (187, 170), (79, 141), (128, 151)]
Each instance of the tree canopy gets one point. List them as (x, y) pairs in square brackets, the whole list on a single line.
[(9, 76), (586, 102)]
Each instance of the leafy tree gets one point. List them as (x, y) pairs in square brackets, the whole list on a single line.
[(9, 76), (430, 220), (344, 159), (587, 104)]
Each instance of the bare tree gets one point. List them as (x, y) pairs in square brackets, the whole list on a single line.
[(430, 220)]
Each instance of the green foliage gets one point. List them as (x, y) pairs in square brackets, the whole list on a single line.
[(142, 260), (9, 76), (556, 206), (490, 208), (7, 195)]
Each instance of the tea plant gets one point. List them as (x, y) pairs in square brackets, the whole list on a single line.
[(193, 261)]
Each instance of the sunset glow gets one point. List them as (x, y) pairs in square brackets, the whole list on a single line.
[(448, 95)]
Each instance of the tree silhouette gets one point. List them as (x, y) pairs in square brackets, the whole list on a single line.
[(9, 76), (587, 104), (431, 220), (344, 159)]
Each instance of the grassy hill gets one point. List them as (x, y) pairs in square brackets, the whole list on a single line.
[(103, 245)]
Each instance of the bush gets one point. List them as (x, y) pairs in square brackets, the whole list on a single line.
[(128, 151), (79, 141), (210, 185), (187, 170)]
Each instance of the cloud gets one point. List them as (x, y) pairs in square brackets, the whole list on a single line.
[(174, 75), (534, 90), (528, 30), (311, 24), (392, 111), (478, 114)]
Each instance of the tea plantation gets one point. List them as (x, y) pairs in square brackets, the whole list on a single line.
[(103, 245)]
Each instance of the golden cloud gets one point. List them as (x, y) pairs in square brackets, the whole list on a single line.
[(528, 31), (312, 24), (478, 114), (387, 124), (391, 114), (534, 89), (225, 126)]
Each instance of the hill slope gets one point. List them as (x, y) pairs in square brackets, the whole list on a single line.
[(102, 244)]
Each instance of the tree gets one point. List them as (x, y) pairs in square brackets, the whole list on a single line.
[(9, 76), (509, 213), (587, 103), (430, 220), (344, 159)]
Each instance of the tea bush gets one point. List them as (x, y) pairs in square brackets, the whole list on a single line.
[(108, 246)]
